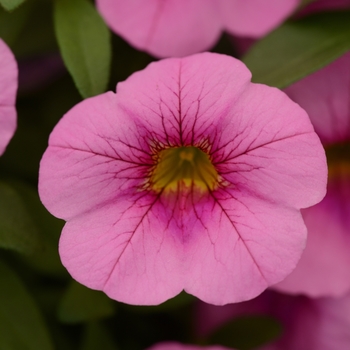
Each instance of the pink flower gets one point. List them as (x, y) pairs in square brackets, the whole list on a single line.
[(8, 89), (183, 27), (324, 267), (178, 346), (307, 324), (189, 177)]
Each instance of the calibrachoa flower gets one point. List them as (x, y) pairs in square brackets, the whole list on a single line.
[(189, 177), (8, 89), (183, 27), (323, 269), (178, 346), (307, 324)]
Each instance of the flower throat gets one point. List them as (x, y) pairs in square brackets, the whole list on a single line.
[(178, 166)]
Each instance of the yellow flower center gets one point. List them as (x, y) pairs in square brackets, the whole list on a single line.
[(180, 166)]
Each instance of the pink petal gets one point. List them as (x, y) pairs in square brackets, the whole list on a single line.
[(8, 89), (308, 324), (323, 269), (126, 250), (334, 332), (182, 101), (236, 235), (86, 155), (272, 141), (164, 28), (313, 324), (255, 18), (325, 96)]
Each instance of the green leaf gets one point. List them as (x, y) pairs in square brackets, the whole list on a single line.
[(81, 304), (96, 337), (21, 324), (17, 228), (47, 259), (11, 24), (247, 332), (10, 5), (38, 35), (84, 41), (21, 29), (299, 48)]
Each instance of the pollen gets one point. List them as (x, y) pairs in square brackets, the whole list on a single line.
[(183, 166)]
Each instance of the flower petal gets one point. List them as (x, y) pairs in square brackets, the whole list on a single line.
[(94, 154), (255, 18), (267, 139), (8, 89), (308, 324), (325, 96), (312, 324), (164, 28), (334, 332), (181, 101), (237, 235), (126, 250), (326, 257)]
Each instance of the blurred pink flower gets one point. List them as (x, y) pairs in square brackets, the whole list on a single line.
[(37, 72), (183, 27), (178, 346), (307, 324), (189, 177), (8, 89), (324, 267)]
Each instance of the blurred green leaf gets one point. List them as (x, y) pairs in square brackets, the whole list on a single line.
[(17, 228), (96, 337), (21, 324), (299, 48), (46, 259), (37, 36), (10, 5), (247, 332), (84, 41), (29, 30), (81, 304), (12, 23)]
